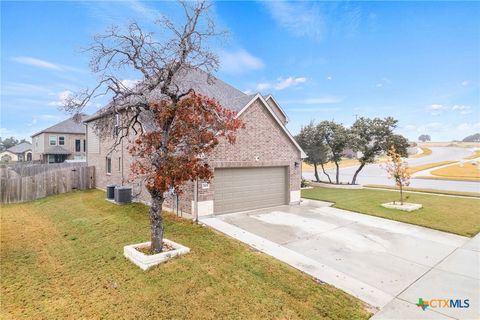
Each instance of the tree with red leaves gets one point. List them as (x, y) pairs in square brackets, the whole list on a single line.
[(173, 125), (171, 153)]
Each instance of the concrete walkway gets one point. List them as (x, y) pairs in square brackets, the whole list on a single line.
[(385, 263), (455, 277)]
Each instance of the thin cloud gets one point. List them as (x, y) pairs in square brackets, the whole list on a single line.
[(383, 82), (129, 83), (281, 84), (465, 83), (462, 109), (24, 89), (468, 127), (239, 61), (314, 110), (62, 97), (437, 109), (122, 11), (316, 100), (39, 63), (144, 10), (300, 19)]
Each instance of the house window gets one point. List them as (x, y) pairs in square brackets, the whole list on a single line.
[(77, 145), (53, 140), (51, 158), (61, 141), (119, 163), (109, 165), (84, 146), (36, 142)]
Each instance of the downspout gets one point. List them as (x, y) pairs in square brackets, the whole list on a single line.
[(195, 200), (122, 161)]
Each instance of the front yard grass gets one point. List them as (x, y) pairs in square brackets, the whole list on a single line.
[(455, 215), (62, 257), (437, 191)]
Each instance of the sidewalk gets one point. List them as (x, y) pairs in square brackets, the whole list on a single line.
[(455, 277)]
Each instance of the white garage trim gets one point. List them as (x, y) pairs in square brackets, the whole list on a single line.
[(295, 197)]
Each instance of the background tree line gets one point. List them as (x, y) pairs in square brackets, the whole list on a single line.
[(6, 143), (328, 141)]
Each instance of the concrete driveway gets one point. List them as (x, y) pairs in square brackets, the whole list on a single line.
[(388, 264)]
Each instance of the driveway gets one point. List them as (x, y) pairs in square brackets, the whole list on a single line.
[(385, 263)]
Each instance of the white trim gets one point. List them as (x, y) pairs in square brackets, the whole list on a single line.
[(205, 208), (295, 197), (278, 105), (259, 96)]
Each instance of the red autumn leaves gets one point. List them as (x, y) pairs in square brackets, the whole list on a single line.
[(180, 136)]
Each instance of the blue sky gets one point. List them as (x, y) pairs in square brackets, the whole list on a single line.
[(415, 61)]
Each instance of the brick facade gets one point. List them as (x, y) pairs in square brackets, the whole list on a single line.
[(262, 143)]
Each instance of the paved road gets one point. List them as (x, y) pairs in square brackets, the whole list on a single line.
[(376, 174), (386, 263)]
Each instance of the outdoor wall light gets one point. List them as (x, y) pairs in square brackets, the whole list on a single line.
[(296, 164)]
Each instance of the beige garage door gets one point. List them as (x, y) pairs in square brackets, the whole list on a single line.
[(242, 189)]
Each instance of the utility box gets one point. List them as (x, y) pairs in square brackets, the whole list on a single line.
[(123, 194), (111, 191)]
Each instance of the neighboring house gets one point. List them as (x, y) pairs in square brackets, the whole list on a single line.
[(21, 152), (7, 156), (262, 169), (62, 141)]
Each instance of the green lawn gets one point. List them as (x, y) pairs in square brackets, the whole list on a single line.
[(455, 215), (62, 257), (436, 191)]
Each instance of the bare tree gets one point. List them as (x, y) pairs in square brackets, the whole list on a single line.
[(161, 59)]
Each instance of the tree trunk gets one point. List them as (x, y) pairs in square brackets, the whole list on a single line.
[(325, 173), (316, 172), (354, 179), (156, 223), (401, 194), (337, 173)]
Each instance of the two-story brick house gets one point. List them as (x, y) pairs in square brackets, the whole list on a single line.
[(262, 169), (62, 141)]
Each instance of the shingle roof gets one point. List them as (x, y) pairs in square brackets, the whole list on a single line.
[(66, 126), (56, 150), (204, 84), (21, 147)]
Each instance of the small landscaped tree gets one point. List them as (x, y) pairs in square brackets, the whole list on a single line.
[(171, 127), (398, 170), (371, 138), (336, 138), (311, 139)]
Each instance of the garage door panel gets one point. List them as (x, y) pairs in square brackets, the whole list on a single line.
[(238, 189)]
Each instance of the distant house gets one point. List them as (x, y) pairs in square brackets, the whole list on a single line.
[(62, 141), (7, 156), (20, 152)]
